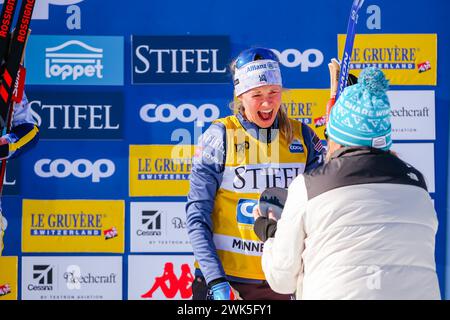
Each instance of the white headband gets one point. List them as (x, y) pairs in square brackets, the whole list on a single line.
[(256, 74)]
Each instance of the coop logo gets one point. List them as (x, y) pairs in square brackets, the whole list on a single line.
[(151, 223), (66, 224), (180, 59), (69, 115), (245, 211), (82, 60), (186, 112), (170, 285), (81, 168), (293, 58), (296, 147), (42, 277)]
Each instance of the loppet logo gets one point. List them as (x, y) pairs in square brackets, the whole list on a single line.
[(307, 106), (293, 58), (170, 284), (160, 169), (74, 65), (245, 211), (185, 113), (82, 60), (72, 225), (180, 59), (69, 115), (43, 277), (158, 227), (403, 57), (81, 168)]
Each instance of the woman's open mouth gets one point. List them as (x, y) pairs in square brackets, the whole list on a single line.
[(265, 115)]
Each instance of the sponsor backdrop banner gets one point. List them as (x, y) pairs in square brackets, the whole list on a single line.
[(160, 277), (73, 226), (406, 59), (158, 227), (8, 278), (123, 93), (160, 170), (72, 278)]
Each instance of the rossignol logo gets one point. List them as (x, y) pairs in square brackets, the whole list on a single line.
[(151, 222), (293, 58), (81, 168), (185, 113), (66, 224), (43, 278), (66, 61)]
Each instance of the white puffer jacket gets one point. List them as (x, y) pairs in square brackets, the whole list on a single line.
[(361, 227)]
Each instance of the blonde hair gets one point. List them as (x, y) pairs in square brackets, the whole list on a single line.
[(284, 124)]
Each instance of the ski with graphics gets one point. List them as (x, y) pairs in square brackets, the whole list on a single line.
[(12, 72)]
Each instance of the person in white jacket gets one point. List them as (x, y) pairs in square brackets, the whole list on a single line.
[(363, 225)]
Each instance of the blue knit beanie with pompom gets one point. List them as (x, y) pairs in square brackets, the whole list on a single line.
[(361, 115)]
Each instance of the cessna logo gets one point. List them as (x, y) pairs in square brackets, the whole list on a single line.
[(151, 221), (43, 277)]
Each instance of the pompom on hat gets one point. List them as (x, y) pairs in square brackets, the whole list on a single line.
[(361, 115)]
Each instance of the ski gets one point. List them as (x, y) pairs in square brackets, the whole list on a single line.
[(347, 54), (12, 49)]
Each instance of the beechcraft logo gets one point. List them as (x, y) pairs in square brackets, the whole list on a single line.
[(43, 274), (73, 60)]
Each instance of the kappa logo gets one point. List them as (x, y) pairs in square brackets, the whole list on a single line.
[(170, 285), (72, 64)]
